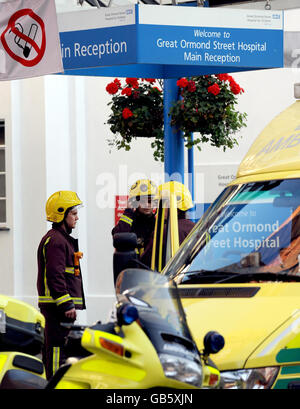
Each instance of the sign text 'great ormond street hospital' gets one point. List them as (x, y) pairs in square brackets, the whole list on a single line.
[(175, 37), (205, 50)]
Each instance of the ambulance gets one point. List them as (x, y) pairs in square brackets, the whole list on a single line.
[(238, 271)]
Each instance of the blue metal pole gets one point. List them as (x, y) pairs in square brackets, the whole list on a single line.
[(191, 178), (174, 143), (191, 169)]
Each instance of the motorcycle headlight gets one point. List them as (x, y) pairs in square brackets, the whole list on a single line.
[(256, 378), (181, 369), (2, 322)]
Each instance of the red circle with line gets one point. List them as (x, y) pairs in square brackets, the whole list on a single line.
[(11, 26)]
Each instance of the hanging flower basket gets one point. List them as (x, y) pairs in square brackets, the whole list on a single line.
[(206, 106), (136, 111)]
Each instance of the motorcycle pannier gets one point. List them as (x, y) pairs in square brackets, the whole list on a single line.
[(21, 326)]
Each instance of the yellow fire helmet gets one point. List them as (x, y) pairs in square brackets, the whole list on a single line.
[(142, 187), (58, 203), (183, 195)]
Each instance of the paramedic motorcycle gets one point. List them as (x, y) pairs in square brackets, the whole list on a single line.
[(146, 345)]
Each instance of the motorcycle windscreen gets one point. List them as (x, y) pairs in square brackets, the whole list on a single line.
[(150, 291)]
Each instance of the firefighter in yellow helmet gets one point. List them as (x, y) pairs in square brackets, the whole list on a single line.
[(184, 203), (139, 217), (59, 281)]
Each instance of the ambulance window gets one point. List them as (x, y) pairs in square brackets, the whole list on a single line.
[(257, 230)]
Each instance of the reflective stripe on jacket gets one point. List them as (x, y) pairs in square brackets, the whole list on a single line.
[(135, 222), (57, 283)]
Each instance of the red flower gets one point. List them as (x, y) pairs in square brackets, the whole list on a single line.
[(151, 80), (126, 113), (112, 88), (214, 89), (192, 86), (223, 77), (235, 88), (126, 91), (182, 83), (133, 82), (118, 82)]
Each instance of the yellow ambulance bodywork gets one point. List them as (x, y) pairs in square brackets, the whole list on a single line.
[(276, 151), (260, 331), (259, 319)]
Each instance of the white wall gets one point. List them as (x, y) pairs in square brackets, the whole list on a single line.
[(28, 175), (6, 243)]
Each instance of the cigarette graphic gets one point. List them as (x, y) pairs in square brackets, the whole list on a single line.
[(32, 33), (24, 44)]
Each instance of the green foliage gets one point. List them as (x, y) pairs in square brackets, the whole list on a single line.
[(206, 106), (137, 111)]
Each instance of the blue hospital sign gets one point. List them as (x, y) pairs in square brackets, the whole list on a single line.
[(173, 39), (87, 49), (210, 37), (98, 39)]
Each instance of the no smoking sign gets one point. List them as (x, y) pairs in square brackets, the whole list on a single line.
[(24, 38)]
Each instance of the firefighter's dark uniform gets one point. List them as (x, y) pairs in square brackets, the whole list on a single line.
[(60, 289), (184, 227), (135, 222)]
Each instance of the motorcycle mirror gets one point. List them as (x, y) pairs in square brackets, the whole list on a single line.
[(125, 245), (125, 241), (213, 342), (127, 314)]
